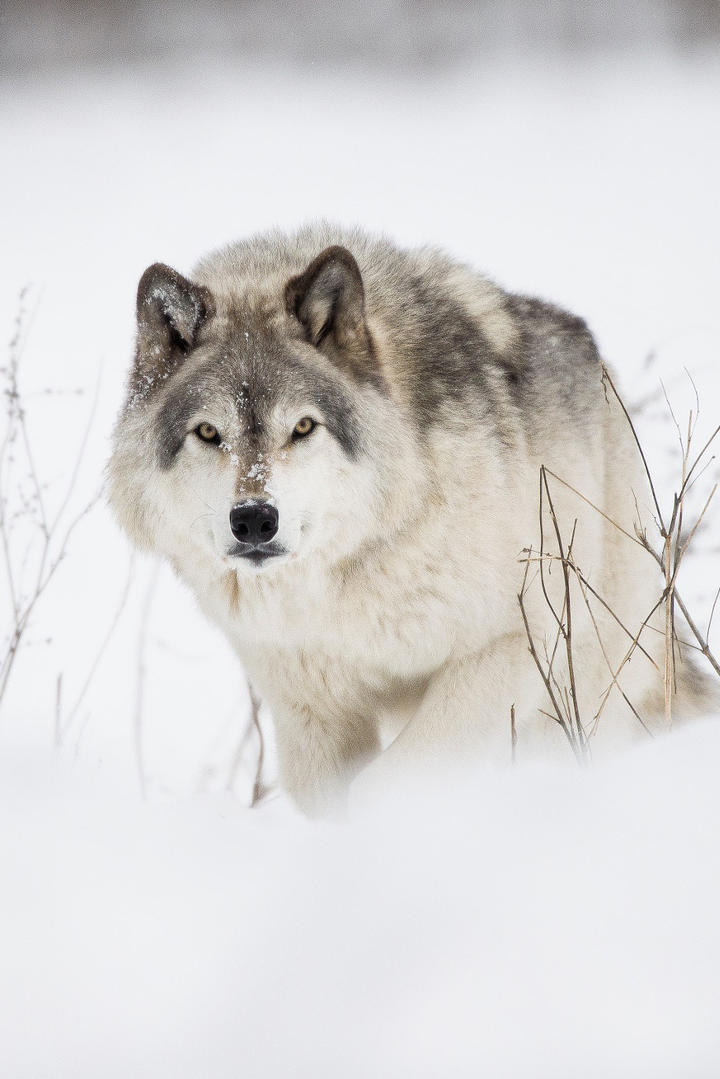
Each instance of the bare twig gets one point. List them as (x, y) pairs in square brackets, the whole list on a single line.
[(700, 456), (565, 705), (79, 456), (558, 716), (566, 629), (614, 674), (582, 579), (140, 681), (608, 379), (42, 580), (39, 563), (645, 624), (681, 549), (702, 642), (252, 728), (239, 754), (258, 789), (610, 520), (63, 730), (513, 734), (712, 615), (58, 711), (669, 665)]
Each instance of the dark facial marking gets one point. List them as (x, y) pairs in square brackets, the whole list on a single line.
[(179, 408), (264, 369), (255, 373)]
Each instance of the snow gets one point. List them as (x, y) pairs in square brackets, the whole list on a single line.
[(535, 923), (532, 923)]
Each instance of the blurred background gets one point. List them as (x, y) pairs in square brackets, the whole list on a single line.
[(408, 37)]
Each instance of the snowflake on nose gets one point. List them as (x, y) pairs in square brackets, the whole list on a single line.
[(258, 471)]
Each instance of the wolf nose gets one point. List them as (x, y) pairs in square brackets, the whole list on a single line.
[(254, 522)]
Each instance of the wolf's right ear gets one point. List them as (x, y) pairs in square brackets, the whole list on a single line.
[(170, 312)]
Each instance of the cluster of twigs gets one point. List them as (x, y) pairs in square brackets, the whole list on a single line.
[(563, 698), (675, 539), (34, 541)]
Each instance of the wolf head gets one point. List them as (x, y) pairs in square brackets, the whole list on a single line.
[(257, 426)]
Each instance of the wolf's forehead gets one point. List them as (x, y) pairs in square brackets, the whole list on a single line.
[(261, 373), (252, 376), (230, 389)]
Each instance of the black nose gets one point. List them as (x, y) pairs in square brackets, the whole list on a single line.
[(254, 522)]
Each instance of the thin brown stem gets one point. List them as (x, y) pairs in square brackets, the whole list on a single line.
[(513, 734), (702, 642), (608, 378), (614, 675), (258, 789), (567, 629), (634, 539), (712, 615)]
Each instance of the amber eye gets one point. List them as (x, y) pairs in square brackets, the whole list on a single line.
[(207, 432), (303, 427)]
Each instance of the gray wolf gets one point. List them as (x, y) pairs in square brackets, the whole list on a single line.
[(337, 445)]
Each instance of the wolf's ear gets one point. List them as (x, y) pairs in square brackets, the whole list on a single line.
[(328, 299), (170, 312)]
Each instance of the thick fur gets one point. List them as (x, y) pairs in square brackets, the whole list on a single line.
[(406, 516)]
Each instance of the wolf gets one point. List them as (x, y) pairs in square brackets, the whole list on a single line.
[(398, 489)]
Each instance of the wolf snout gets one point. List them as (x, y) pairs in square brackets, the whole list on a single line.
[(254, 522)]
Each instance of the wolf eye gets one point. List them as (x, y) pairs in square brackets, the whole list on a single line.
[(207, 432), (303, 427)]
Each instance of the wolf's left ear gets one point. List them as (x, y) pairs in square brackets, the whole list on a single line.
[(170, 312), (328, 299)]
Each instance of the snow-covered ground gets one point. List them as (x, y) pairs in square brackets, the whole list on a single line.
[(539, 923), (535, 924)]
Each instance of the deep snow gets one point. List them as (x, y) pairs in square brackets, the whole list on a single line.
[(526, 924)]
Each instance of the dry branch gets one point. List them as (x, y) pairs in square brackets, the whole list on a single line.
[(258, 787), (564, 701), (513, 734), (19, 510), (675, 543)]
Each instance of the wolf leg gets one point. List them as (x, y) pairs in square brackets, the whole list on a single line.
[(465, 716), (319, 756)]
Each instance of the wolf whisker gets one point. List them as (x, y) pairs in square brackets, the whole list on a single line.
[(200, 517)]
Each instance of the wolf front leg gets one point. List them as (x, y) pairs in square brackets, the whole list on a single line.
[(319, 755), (465, 718)]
